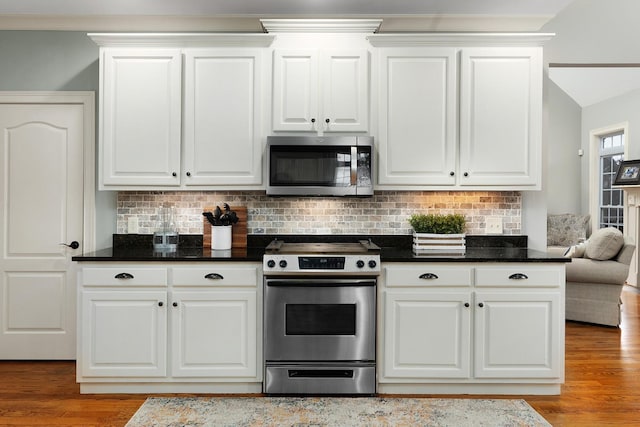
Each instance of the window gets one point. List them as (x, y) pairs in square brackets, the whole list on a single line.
[(611, 199)]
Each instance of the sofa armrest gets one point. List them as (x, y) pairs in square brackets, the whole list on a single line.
[(626, 253), (587, 270)]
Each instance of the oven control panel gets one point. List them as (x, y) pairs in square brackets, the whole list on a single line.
[(286, 263)]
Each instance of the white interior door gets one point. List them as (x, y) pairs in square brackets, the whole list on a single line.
[(42, 183)]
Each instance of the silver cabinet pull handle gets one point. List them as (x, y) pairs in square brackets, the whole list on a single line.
[(124, 276), (428, 276), (518, 276), (213, 276)]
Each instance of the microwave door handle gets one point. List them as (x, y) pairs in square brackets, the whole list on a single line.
[(354, 165)]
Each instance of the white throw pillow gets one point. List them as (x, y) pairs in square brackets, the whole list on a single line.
[(604, 244), (576, 251)]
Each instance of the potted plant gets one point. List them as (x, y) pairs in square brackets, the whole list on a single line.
[(438, 233), (221, 221)]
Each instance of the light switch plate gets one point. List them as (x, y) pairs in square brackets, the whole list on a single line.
[(132, 225), (493, 225)]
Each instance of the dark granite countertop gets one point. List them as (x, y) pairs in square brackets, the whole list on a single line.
[(394, 249)]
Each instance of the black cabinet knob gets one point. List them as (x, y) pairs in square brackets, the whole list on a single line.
[(175, 304), (188, 173), (466, 304), (313, 120), (452, 173), (481, 304), (327, 120), (466, 174), (160, 303), (174, 174)]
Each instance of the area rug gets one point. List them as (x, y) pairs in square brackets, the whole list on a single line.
[(333, 412)]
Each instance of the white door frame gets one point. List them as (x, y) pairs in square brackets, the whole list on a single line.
[(87, 100), (594, 169)]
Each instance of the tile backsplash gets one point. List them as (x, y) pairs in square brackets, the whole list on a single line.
[(386, 212)]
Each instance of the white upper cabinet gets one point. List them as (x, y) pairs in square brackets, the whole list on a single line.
[(500, 116), (417, 116), (140, 117), (321, 90), (160, 128), (222, 120), (459, 111)]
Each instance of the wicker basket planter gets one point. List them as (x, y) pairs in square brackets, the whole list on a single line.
[(428, 243)]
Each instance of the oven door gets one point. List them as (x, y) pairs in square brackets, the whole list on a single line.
[(319, 320)]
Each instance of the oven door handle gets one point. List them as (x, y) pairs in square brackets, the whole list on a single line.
[(320, 282)]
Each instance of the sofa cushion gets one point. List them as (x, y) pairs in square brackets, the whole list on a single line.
[(566, 229), (604, 244)]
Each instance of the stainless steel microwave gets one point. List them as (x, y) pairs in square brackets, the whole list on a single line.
[(320, 166)]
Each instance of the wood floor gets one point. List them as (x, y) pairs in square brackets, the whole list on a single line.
[(602, 384)]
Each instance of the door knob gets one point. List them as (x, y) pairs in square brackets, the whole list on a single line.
[(72, 245)]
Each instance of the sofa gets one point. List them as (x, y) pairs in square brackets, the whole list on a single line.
[(595, 277)]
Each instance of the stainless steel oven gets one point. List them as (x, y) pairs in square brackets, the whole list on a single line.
[(319, 323)]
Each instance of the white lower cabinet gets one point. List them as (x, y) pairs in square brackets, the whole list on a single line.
[(123, 334), (427, 335), (472, 328), (183, 329), (214, 334)]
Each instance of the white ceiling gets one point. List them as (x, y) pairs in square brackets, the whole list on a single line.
[(590, 85), (282, 8)]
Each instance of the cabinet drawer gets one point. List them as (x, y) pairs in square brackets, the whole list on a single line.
[(124, 276), (215, 276), (428, 275), (520, 276)]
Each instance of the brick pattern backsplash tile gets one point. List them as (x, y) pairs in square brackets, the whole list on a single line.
[(386, 212)]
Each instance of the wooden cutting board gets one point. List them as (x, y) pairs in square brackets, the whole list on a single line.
[(238, 232)]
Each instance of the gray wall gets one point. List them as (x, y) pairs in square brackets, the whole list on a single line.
[(57, 61), (563, 176)]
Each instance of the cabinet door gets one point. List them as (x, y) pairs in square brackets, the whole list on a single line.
[(345, 91), (141, 114), (295, 90), (426, 335), (123, 334), (417, 141), (223, 107), (214, 334), (321, 91), (518, 335), (501, 117)]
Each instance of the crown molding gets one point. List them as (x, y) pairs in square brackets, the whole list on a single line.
[(181, 39), (321, 25), (460, 39)]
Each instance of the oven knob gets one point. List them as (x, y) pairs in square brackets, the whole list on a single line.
[(360, 263), (271, 263), (372, 263), (283, 264)]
